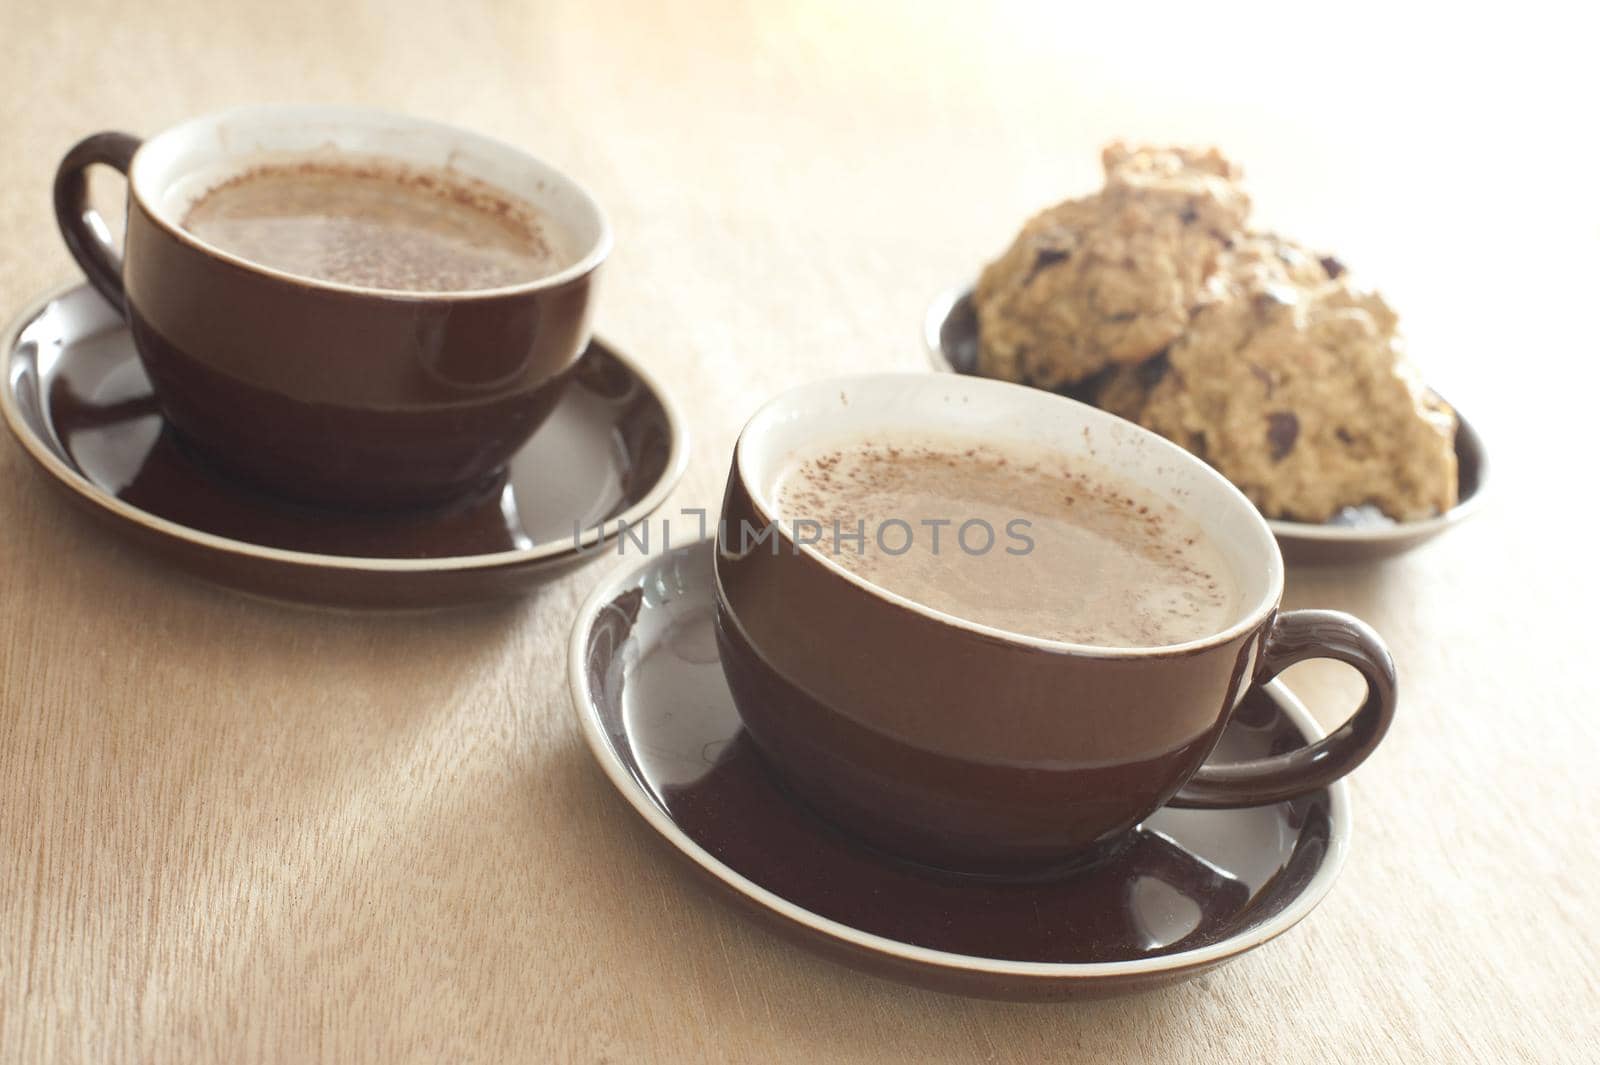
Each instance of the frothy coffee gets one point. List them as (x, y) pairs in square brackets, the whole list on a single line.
[(377, 225), (1019, 539)]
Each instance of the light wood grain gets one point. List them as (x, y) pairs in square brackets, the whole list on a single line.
[(236, 832)]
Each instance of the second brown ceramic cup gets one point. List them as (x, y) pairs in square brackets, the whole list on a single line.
[(321, 391), (970, 748)]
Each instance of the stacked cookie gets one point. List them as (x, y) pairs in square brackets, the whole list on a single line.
[(1152, 299)]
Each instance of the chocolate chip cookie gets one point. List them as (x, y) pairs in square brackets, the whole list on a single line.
[(1292, 383), (1111, 278), (1259, 260)]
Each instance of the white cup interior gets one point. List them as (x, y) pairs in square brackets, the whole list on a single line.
[(924, 404), (177, 167)]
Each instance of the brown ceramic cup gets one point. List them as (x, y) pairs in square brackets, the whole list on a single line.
[(322, 391), (967, 747)]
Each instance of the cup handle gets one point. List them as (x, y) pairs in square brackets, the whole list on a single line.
[(82, 227), (1296, 636)]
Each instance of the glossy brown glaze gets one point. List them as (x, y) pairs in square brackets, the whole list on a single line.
[(329, 395), (951, 337), (1183, 892), (76, 217), (88, 416), (946, 744), (964, 749)]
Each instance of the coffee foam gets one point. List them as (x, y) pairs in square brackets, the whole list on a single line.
[(1096, 560), (373, 223)]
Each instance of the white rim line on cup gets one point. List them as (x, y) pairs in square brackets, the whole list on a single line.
[(624, 576), (677, 459), (176, 167), (1055, 423)]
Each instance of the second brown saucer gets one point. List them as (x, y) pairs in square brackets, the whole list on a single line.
[(78, 401)]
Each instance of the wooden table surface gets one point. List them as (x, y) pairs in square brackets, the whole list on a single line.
[(238, 832)]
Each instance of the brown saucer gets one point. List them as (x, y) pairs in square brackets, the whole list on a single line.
[(76, 397), (1190, 889), (950, 335)]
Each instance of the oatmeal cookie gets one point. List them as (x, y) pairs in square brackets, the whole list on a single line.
[(1258, 260), (1110, 278), (1293, 384), (1126, 389)]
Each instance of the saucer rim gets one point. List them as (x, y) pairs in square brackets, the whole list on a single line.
[(944, 303), (625, 575), (551, 553)]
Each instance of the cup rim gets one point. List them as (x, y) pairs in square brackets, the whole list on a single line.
[(1252, 619), (597, 252)]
